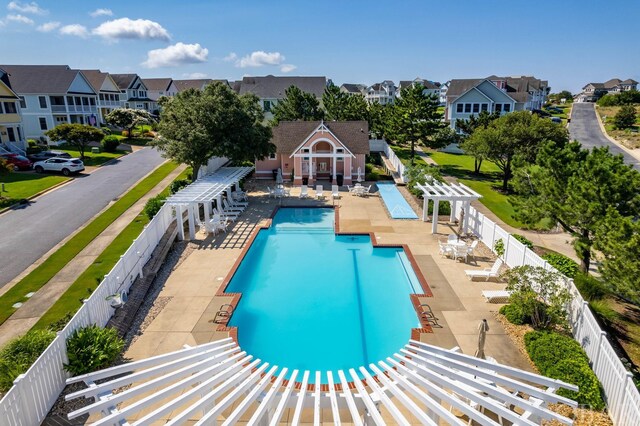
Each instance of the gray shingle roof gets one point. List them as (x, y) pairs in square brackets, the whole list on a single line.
[(352, 88), (272, 87), (157, 84), (191, 84), (124, 81), (629, 81), (610, 84), (96, 79), (288, 135), (459, 86), (52, 79)]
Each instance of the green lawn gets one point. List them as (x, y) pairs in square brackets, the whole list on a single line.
[(70, 301), (564, 115), (134, 141), (51, 266), (20, 185), (90, 158)]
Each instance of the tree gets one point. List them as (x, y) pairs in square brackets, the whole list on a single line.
[(415, 118), (197, 125), (342, 106), (128, 118), (618, 239), (78, 135), (516, 137), (576, 188), (625, 117), (4, 168), (377, 116), (297, 105), (557, 97), (477, 148)]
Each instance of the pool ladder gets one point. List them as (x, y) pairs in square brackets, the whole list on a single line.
[(223, 314)]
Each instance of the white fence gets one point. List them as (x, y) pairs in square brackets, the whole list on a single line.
[(34, 392), (623, 398), (395, 161)]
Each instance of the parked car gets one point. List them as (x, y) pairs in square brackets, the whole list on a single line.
[(57, 164), (45, 155), (18, 162), (556, 119)]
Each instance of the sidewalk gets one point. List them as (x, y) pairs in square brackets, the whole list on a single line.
[(31, 311)]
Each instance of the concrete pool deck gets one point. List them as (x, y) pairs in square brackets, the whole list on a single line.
[(192, 288)]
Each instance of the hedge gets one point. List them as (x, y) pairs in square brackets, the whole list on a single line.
[(562, 263)]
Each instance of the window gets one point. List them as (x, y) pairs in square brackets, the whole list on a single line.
[(11, 134), (506, 107), (23, 102), (272, 156), (476, 108), (69, 100), (61, 119), (498, 107), (267, 106), (339, 150), (43, 101), (459, 107), (101, 96), (92, 101), (484, 107), (467, 108), (305, 149), (340, 159), (19, 133), (135, 93), (85, 101), (43, 122), (139, 106), (1, 111)]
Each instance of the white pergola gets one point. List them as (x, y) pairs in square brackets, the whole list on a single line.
[(442, 191), (205, 191), (218, 382)]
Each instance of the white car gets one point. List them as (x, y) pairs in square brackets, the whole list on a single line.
[(57, 164)]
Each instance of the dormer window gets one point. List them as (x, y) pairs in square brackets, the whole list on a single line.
[(305, 149)]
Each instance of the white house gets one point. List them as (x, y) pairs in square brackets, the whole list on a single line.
[(353, 89), (11, 132), (159, 87), (383, 93), (107, 89), (51, 95), (594, 91), (430, 87), (134, 93)]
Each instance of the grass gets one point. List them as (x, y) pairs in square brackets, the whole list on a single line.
[(134, 141), (52, 265), (82, 287), (21, 185), (630, 137), (91, 158)]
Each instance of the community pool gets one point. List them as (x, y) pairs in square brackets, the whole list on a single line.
[(314, 300), (394, 201)]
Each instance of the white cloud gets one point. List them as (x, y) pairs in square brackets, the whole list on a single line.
[(177, 54), (194, 75), (287, 68), (48, 26), (125, 28), (75, 30), (260, 58), (32, 8), (231, 57), (19, 18), (101, 12)]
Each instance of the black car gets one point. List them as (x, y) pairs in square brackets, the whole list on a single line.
[(45, 155)]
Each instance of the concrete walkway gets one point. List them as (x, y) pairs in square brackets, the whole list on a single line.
[(31, 311)]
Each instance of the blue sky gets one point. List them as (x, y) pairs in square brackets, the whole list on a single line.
[(569, 42)]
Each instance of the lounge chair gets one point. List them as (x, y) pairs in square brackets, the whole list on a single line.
[(240, 196), (335, 191), (304, 191), (486, 273), (496, 296), (231, 208), (319, 193), (233, 202), (226, 215)]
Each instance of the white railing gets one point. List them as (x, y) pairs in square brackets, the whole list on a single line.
[(621, 394), (34, 392), (395, 161)]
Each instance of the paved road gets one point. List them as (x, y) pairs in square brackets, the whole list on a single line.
[(584, 127), (28, 233)]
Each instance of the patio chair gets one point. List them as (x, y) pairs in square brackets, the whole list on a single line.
[(272, 192), (229, 216), (239, 196), (228, 207), (486, 273), (235, 203), (471, 250), (335, 191), (445, 249), (496, 296), (461, 252), (304, 191), (452, 238), (368, 189), (319, 192)]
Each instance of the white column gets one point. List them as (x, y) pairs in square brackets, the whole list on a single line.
[(434, 225), (207, 211), (452, 216), (191, 217), (179, 222), (465, 225), (425, 209), (334, 169)]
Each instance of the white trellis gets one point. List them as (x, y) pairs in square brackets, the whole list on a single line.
[(440, 191), (205, 191), (217, 382)]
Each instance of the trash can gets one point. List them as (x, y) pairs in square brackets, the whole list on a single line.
[(339, 179), (95, 149), (275, 174), (305, 181)]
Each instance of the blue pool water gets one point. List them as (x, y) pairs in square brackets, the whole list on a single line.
[(394, 201), (313, 300)]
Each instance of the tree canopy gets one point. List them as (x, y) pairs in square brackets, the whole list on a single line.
[(476, 148), (340, 106), (625, 117), (297, 106), (196, 125), (414, 118), (128, 118), (78, 135)]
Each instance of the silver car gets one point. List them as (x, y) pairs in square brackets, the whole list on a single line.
[(56, 164)]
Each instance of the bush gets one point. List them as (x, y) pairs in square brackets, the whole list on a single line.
[(498, 247), (371, 177), (444, 208), (110, 143), (148, 135), (514, 314), (18, 355), (153, 206), (562, 263), (560, 357), (32, 143), (125, 133), (524, 240), (177, 185), (417, 173), (590, 287), (92, 348), (106, 130), (625, 118)]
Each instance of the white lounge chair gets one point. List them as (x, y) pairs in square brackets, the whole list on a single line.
[(486, 273), (304, 191), (319, 192), (230, 208), (237, 203), (240, 196), (335, 191), (226, 215), (496, 296)]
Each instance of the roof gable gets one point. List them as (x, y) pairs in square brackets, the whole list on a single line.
[(40, 79), (322, 128), (290, 135), (157, 84), (80, 84)]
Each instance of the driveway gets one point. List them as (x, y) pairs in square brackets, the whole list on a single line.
[(30, 232), (584, 128)]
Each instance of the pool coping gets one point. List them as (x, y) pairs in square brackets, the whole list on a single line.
[(235, 297)]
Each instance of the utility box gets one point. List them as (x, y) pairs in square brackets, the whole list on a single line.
[(95, 149)]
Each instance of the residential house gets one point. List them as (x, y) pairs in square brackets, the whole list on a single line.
[(317, 151), (11, 132), (444, 87), (353, 89), (159, 87), (199, 84), (594, 91), (430, 87), (51, 95), (271, 89), (134, 93), (383, 93), (107, 90)]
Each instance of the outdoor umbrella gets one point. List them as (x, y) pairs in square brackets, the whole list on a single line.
[(359, 175), (461, 222), (279, 177), (483, 327)]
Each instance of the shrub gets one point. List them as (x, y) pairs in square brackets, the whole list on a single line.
[(562, 263), (18, 355), (608, 100), (373, 176), (61, 323), (177, 185), (32, 143), (444, 208), (625, 118), (106, 130), (524, 240), (514, 314), (110, 143), (590, 287), (5, 168), (153, 206), (148, 135), (498, 247), (560, 357), (92, 348), (417, 174), (125, 133)]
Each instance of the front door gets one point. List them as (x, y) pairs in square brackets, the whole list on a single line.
[(323, 168)]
